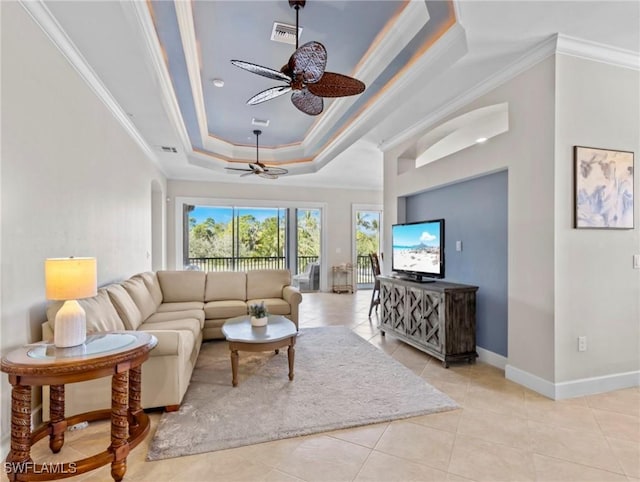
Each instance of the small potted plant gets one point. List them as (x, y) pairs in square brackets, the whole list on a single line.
[(259, 315)]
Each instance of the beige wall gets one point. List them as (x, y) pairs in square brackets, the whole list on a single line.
[(597, 289), (563, 282), (526, 150), (338, 226), (73, 182)]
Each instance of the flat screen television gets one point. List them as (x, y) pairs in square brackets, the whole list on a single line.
[(418, 250)]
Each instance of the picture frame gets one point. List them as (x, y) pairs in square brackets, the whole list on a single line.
[(603, 188)]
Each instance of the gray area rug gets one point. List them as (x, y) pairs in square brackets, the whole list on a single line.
[(340, 381)]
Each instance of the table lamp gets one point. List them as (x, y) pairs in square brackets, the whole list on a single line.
[(70, 279)]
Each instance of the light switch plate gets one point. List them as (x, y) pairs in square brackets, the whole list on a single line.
[(458, 245), (636, 261)]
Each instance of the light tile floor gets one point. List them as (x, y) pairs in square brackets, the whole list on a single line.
[(502, 432)]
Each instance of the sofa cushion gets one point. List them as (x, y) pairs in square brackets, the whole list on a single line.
[(125, 306), (267, 283), (100, 312), (226, 285), (179, 286), (275, 306), (224, 309), (182, 324), (176, 315), (153, 285), (183, 306), (141, 296)]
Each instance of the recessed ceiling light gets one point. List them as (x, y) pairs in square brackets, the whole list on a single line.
[(480, 140), (218, 82)]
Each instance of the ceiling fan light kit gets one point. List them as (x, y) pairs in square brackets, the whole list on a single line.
[(258, 168), (304, 75)]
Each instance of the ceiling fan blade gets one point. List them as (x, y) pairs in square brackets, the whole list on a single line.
[(266, 175), (276, 171), (260, 70), (309, 62), (238, 169), (336, 85), (269, 94), (247, 174), (307, 102)]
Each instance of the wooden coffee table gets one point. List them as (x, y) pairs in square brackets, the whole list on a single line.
[(278, 333)]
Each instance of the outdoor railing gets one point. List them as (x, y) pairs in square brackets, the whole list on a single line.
[(363, 274), (247, 263)]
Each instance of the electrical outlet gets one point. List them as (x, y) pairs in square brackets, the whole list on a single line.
[(582, 343)]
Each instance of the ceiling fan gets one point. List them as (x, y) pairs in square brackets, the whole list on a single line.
[(304, 75), (258, 168)]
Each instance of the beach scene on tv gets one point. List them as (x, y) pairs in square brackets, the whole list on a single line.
[(416, 247)]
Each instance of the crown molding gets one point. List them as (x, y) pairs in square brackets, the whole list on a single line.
[(141, 14), (386, 47), (184, 16), (538, 53), (397, 34), (43, 17), (597, 52), (556, 44), (447, 50)]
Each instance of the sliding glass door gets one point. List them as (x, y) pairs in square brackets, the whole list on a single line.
[(308, 248), (223, 238)]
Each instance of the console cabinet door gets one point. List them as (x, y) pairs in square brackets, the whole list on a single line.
[(387, 310), (433, 320), (415, 328)]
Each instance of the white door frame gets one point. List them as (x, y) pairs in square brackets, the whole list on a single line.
[(363, 207)]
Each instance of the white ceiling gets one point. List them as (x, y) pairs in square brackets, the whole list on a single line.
[(117, 40)]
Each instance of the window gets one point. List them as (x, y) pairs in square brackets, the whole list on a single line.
[(223, 238)]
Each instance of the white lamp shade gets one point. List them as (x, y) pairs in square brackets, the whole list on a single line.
[(70, 278)]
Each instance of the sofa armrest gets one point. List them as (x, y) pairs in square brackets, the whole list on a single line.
[(292, 295), (169, 342)]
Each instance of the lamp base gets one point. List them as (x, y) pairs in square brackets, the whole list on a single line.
[(70, 325)]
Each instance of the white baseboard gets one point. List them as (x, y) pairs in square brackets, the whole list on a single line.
[(491, 358), (534, 382), (573, 388), (590, 386)]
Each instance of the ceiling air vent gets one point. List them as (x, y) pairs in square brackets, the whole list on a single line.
[(172, 150), (260, 122), (285, 33)]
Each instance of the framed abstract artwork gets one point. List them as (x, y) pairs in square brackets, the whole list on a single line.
[(603, 187)]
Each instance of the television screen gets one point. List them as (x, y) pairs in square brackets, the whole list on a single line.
[(418, 248)]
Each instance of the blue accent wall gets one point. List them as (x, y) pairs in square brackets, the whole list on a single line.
[(475, 213)]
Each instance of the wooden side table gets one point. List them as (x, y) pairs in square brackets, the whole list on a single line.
[(116, 354)]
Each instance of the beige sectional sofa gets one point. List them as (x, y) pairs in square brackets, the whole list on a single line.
[(181, 309)]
